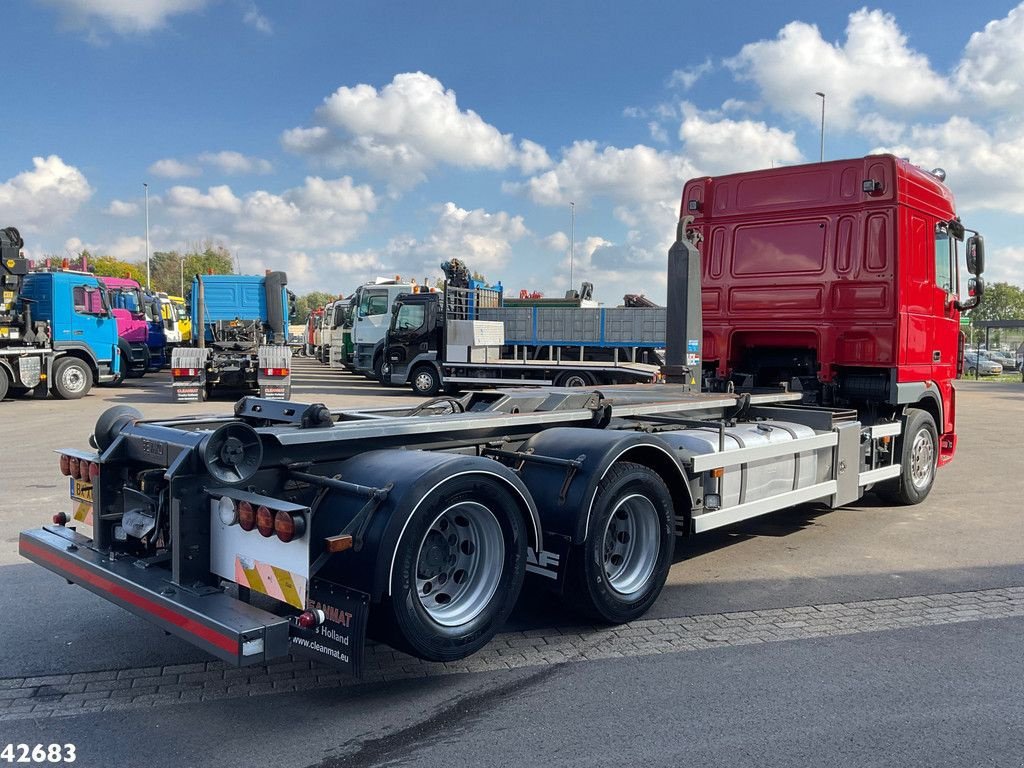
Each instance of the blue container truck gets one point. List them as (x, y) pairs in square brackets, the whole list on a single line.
[(239, 338)]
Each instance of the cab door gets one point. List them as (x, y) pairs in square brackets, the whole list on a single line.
[(944, 336)]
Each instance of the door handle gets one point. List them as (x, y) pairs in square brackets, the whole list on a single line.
[(78, 333), (936, 356)]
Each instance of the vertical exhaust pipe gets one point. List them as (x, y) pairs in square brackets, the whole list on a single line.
[(200, 312), (684, 331)]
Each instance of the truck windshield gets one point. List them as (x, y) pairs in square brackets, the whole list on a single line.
[(410, 317)]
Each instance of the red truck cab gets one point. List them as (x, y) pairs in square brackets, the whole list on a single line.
[(840, 278)]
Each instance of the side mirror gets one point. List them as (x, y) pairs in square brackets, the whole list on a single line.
[(976, 291), (976, 254)]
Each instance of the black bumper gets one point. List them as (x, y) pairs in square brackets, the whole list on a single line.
[(231, 630)]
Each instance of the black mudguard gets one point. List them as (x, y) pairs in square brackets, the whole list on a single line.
[(565, 494), (412, 476)]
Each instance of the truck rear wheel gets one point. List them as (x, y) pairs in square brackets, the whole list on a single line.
[(5, 382), (575, 379), (72, 378), (919, 452), (619, 570), (425, 381), (458, 570)]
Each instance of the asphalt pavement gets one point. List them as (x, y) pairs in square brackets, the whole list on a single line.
[(909, 687)]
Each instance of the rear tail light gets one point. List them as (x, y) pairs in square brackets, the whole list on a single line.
[(275, 371), (60, 518), (94, 471), (265, 522), (84, 469), (310, 619), (288, 526), (73, 466), (246, 516), (182, 373), (65, 464)]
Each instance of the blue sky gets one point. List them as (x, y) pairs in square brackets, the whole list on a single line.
[(341, 141)]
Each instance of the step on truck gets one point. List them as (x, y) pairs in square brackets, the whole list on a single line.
[(239, 338), (462, 338), (418, 525)]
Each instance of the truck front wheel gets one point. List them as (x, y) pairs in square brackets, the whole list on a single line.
[(919, 451), (618, 571), (458, 570), (425, 381), (72, 378)]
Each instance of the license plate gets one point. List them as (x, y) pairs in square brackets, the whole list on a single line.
[(340, 638), (81, 491)]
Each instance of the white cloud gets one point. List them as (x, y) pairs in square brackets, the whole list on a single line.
[(482, 240), (121, 16), (725, 146), (686, 78), (257, 20), (122, 208), (874, 64), (992, 67), (170, 168), (405, 129), (1005, 265), (48, 194), (231, 162), (586, 171), (320, 213)]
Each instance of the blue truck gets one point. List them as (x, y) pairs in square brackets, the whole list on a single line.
[(239, 338), (57, 332)]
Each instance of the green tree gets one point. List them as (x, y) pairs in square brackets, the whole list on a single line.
[(1002, 301), (168, 268), (310, 301)]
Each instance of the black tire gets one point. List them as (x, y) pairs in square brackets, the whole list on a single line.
[(5, 382), (630, 497), (574, 379), (378, 367), (412, 618), (971, 371), (425, 380), (72, 378), (918, 451)]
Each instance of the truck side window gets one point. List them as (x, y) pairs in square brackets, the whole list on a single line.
[(410, 317), (375, 304), (88, 301), (943, 259)]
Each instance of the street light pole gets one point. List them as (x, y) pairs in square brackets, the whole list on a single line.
[(182, 277), (819, 93), (572, 240), (148, 286)]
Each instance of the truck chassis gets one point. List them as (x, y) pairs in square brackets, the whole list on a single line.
[(428, 536)]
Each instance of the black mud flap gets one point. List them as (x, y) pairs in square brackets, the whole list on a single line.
[(187, 393), (340, 639), (549, 565)]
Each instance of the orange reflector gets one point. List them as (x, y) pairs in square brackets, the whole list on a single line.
[(718, 472), (338, 543), (886, 439)]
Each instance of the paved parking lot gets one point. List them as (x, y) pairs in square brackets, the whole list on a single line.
[(848, 637)]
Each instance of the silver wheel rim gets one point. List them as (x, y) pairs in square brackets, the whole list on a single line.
[(630, 545), (459, 564), (424, 382), (922, 459), (72, 379), (575, 381)]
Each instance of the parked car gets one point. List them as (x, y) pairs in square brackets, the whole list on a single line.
[(980, 364), (1005, 359)]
